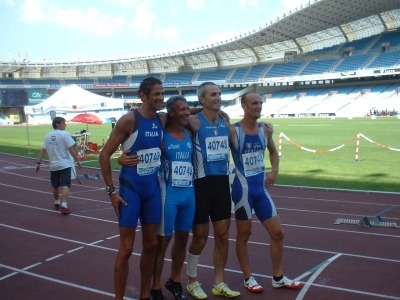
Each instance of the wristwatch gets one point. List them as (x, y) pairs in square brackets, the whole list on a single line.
[(110, 190)]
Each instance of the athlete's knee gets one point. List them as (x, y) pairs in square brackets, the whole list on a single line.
[(198, 243), (277, 234), (221, 230), (150, 244), (243, 236), (125, 252), (181, 239)]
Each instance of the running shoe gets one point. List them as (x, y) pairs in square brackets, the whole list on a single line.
[(56, 206), (195, 290), (64, 210), (175, 289), (157, 295), (252, 285), (285, 282), (223, 290)]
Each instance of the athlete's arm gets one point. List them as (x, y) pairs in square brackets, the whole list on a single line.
[(193, 123), (118, 135), (273, 158), (232, 136)]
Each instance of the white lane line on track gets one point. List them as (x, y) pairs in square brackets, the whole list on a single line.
[(233, 240), (291, 225), (330, 200), (63, 282), (57, 212), (32, 266), (207, 266), (8, 275), (318, 271), (113, 237), (54, 257), (330, 213), (76, 249), (44, 179)]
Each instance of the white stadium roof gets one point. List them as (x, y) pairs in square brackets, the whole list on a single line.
[(314, 25)]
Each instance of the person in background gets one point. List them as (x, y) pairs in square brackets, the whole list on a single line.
[(113, 122), (248, 141), (59, 144)]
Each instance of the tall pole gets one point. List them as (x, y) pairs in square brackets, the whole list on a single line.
[(27, 133)]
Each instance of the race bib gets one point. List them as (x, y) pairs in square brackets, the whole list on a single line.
[(182, 174), (149, 161), (217, 148), (253, 163)]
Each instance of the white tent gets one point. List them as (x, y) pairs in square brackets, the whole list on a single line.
[(74, 99)]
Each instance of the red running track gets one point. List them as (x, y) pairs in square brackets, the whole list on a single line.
[(45, 255)]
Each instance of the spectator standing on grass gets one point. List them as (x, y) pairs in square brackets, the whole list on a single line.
[(59, 144), (248, 141)]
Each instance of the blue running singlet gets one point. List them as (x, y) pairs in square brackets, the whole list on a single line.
[(211, 148), (139, 185), (248, 190), (177, 185)]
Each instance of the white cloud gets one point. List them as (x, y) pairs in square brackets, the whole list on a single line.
[(124, 3), (90, 21), (170, 34), (143, 20), (195, 4), (31, 10), (247, 3), (7, 2), (173, 12)]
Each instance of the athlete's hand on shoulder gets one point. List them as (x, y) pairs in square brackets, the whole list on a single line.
[(128, 161), (115, 202), (132, 108), (224, 116), (270, 127)]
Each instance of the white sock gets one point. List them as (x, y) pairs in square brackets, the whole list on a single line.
[(193, 261), (57, 201), (218, 285), (65, 204)]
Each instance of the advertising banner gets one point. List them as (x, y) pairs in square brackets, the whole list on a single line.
[(36, 96)]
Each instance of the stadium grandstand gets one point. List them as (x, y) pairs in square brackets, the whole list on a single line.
[(324, 58)]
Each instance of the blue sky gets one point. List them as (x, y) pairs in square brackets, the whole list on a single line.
[(71, 29)]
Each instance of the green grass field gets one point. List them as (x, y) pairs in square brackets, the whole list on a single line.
[(377, 169)]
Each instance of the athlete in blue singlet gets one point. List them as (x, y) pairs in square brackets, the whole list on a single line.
[(140, 195), (211, 143), (212, 191), (177, 185), (177, 196), (138, 185), (248, 141), (248, 190)]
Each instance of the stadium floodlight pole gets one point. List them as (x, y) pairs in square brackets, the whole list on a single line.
[(27, 132)]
